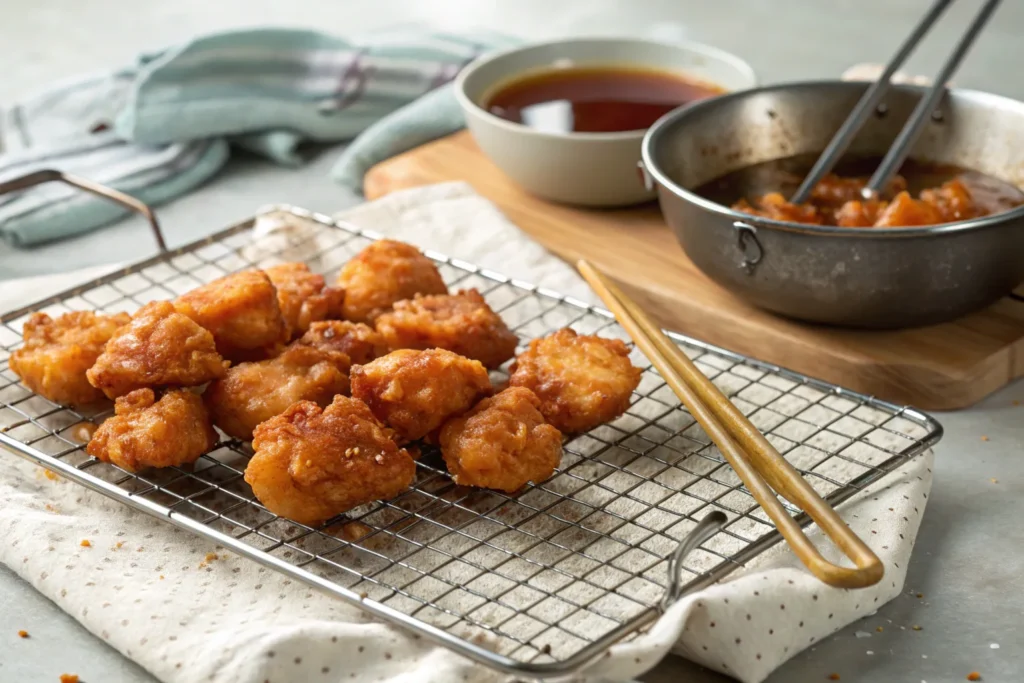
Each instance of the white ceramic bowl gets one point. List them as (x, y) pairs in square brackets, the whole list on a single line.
[(591, 169)]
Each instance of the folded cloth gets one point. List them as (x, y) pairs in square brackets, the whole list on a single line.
[(160, 127), (144, 587)]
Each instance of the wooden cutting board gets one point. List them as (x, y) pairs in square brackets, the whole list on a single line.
[(946, 366)]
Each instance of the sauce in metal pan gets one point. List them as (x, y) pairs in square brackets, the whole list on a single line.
[(922, 194)]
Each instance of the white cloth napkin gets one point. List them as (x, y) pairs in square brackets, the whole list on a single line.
[(160, 597)]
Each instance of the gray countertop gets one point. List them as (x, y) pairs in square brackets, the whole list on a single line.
[(970, 550)]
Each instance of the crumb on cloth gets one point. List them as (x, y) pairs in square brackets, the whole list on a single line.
[(86, 543), (23, 634)]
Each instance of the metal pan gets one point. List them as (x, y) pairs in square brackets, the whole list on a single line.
[(856, 277)]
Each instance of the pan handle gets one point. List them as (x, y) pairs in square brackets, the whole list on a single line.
[(47, 175), (646, 179), (749, 246)]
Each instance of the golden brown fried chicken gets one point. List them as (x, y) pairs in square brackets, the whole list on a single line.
[(773, 205), (462, 323), (311, 464), (251, 393), (383, 273), (581, 381), (302, 296), (57, 353), (414, 392), (502, 443), (145, 432), (360, 342), (159, 347), (242, 313)]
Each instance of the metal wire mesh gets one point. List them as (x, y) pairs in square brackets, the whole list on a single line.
[(538, 581)]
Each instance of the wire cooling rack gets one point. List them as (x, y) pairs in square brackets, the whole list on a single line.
[(535, 583)]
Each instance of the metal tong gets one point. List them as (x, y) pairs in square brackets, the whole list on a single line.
[(763, 471), (901, 147)]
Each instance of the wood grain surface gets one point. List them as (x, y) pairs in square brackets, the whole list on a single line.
[(942, 367)]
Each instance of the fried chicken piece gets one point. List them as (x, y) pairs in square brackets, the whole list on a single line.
[(953, 201), (311, 464), (414, 392), (774, 206), (832, 191), (145, 432), (57, 353), (251, 393), (859, 213), (242, 313), (360, 342), (905, 211), (581, 381), (302, 296), (502, 443), (383, 273), (159, 347), (462, 323)]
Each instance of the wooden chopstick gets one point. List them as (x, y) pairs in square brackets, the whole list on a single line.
[(759, 466)]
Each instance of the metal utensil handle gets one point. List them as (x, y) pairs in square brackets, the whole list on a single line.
[(48, 175), (705, 529), (840, 142), (897, 154), (761, 469)]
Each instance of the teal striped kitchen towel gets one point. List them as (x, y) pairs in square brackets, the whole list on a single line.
[(165, 124)]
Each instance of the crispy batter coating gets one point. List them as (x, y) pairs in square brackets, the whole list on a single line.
[(360, 342), (242, 313), (462, 323), (414, 392), (159, 347), (302, 296), (57, 353), (581, 381), (502, 443), (145, 432), (251, 393), (311, 464), (383, 273)]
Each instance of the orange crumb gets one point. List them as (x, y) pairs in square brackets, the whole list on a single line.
[(879, 629), (49, 507), (23, 634), (355, 531), (994, 480), (69, 678), (86, 543), (833, 677), (50, 475), (161, 577), (984, 438), (119, 544), (210, 557), (920, 595), (974, 676), (916, 627)]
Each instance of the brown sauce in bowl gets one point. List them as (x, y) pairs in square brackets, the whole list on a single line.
[(595, 99), (921, 194)]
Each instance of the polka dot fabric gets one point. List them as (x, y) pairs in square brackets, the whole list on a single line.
[(190, 612)]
